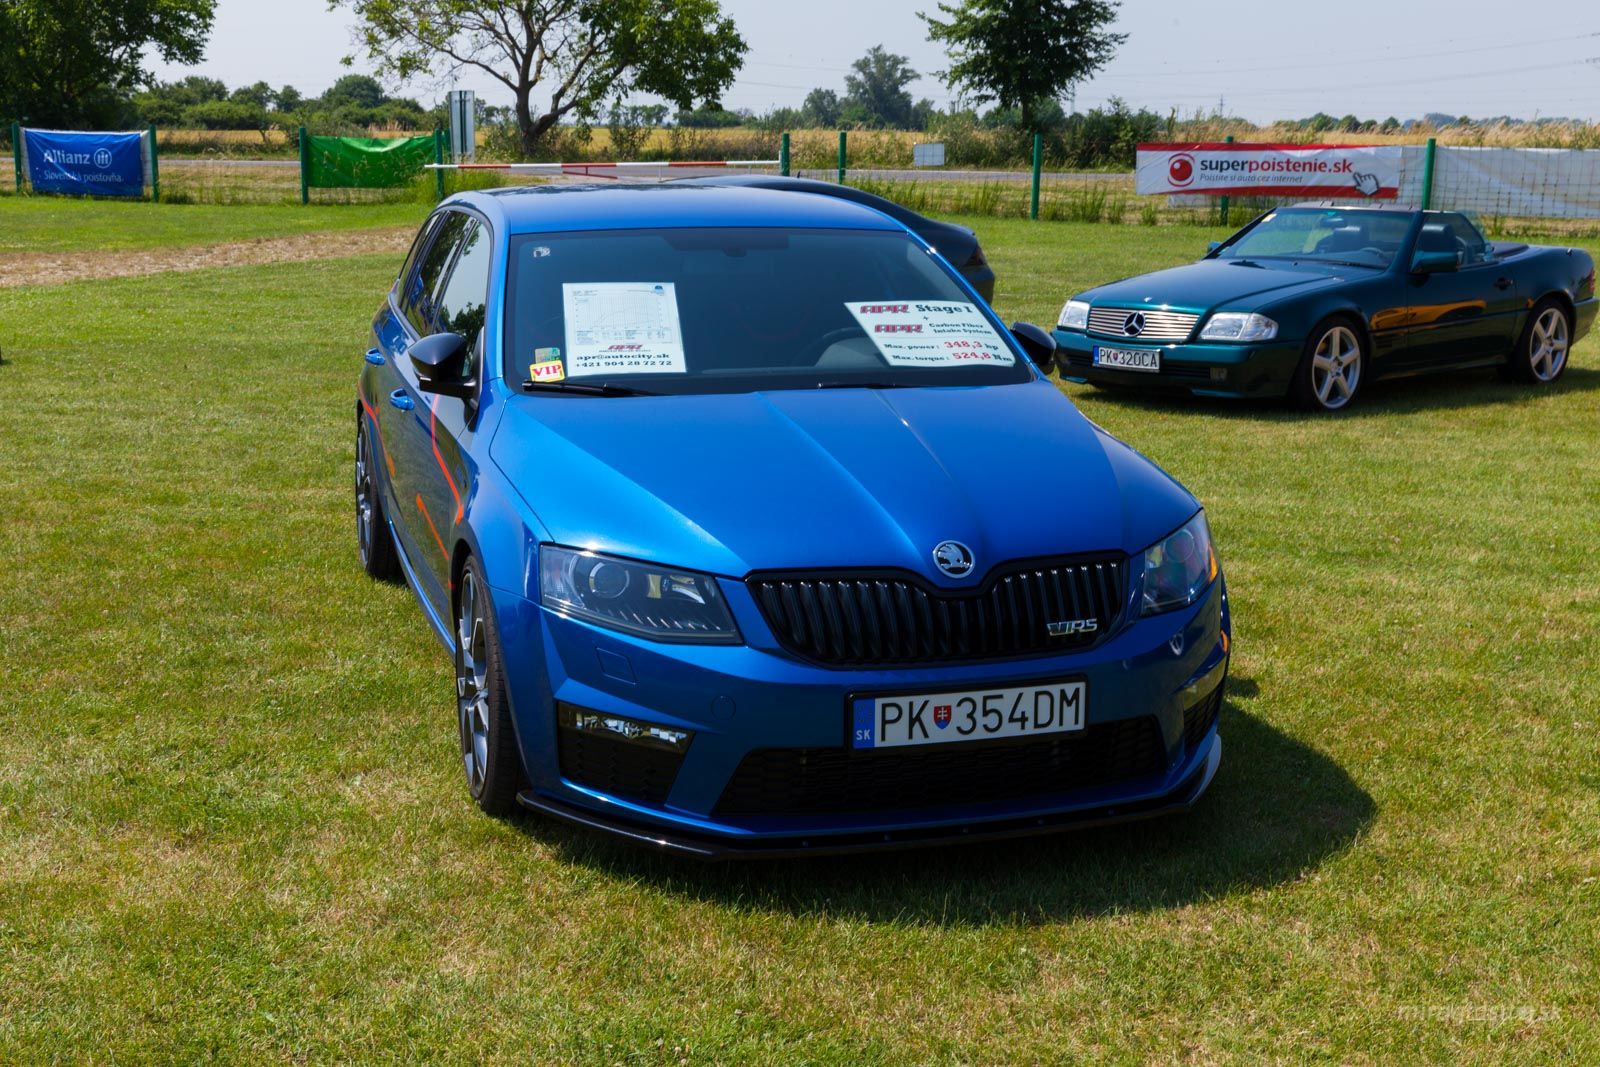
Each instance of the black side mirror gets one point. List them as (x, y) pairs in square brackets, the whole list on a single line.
[(1037, 343), (1434, 262), (439, 360)]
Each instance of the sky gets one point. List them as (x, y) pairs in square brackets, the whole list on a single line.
[(1261, 61)]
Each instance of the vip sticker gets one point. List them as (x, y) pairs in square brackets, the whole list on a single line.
[(549, 370)]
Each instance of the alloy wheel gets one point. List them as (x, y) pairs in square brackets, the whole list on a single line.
[(472, 683), (1336, 367), (1548, 344), (364, 498)]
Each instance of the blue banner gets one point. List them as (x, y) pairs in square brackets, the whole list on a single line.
[(85, 164)]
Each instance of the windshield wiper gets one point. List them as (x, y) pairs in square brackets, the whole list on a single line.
[(862, 385), (584, 388)]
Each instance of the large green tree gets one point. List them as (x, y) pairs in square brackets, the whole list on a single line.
[(875, 89), (1023, 52), (585, 54), (75, 62)]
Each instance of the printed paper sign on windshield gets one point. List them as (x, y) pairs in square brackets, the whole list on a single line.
[(930, 333), (622, 328)]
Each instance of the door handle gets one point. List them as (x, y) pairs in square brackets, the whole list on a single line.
[(1502, 283), (375, 357), (399, 399)]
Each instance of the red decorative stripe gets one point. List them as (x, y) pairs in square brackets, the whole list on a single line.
[(437, 539), (1246, 146), (433, 436)]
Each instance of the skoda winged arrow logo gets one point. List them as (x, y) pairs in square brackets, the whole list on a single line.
[(1133, 325), (954, 558)]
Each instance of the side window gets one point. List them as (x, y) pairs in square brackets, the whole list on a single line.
[(422, 288), (462, 301), (1468, 242)]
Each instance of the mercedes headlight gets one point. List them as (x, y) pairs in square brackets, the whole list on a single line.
[(1239, 326), (639, 598), (1074, 315), (1178, 568)]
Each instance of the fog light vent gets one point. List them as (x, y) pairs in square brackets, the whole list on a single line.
[(618, 728)]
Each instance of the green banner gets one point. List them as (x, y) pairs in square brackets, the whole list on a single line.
[(366, 162)]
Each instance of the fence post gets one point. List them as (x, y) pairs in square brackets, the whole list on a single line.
[(155, 167), (1226, 140), (783, 155), (841, 157), (438, 157), (16, 151), (1038, 159), (1427, 173), (305, 175)]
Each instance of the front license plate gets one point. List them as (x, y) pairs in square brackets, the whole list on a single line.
[(972, 715), (1127, 358)]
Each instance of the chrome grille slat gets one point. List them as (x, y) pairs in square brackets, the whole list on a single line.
[(1159, 325)]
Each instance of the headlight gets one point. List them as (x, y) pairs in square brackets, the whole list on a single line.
[(639, 598), (1074, 316), (1239, 326), (1178, 568)]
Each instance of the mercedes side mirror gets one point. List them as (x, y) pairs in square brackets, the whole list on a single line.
[(439, 360), (1037, 343), (1434, 263)]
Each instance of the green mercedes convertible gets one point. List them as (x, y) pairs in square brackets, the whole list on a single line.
[(1313, 302)]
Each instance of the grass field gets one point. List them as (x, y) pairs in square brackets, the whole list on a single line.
[(232, 826), (56, 224)]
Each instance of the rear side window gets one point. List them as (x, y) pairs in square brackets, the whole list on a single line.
[(422, 287), (463, 299)]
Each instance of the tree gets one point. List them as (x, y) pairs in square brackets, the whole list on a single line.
[(360, 90), (76, 62), (590, 52), (821, 108), (1021, 52), (877, 89)]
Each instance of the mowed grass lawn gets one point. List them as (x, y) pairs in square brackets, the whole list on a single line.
[(59, 224), (232, 824)]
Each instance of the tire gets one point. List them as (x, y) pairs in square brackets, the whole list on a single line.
[(1332, 367), (1542, 352), (374, 542), (490, 757)]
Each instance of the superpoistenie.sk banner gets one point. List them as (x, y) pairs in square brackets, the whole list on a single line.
[(1221, 169)]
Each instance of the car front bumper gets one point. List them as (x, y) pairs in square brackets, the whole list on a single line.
[(1204, 369), (1162, 676)]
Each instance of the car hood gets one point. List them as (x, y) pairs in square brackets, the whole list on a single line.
[(837, 478), (1210, 283)]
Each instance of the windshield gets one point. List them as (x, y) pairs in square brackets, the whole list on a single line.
[(738, 310), (1360, 238)]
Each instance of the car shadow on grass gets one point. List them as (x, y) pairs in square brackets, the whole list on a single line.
[(1277, 809), (1381, 399)]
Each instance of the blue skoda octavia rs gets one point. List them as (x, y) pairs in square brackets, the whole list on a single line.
[(718, 499)]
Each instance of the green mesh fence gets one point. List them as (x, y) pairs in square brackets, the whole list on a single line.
[(366, 162)]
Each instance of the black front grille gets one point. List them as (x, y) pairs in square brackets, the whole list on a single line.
[(894, 618), (1197, 721), (620, 768), (816, 781), (1169, 369)]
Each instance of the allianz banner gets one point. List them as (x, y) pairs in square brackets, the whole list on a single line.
[(85, 164), (1240, 169)]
